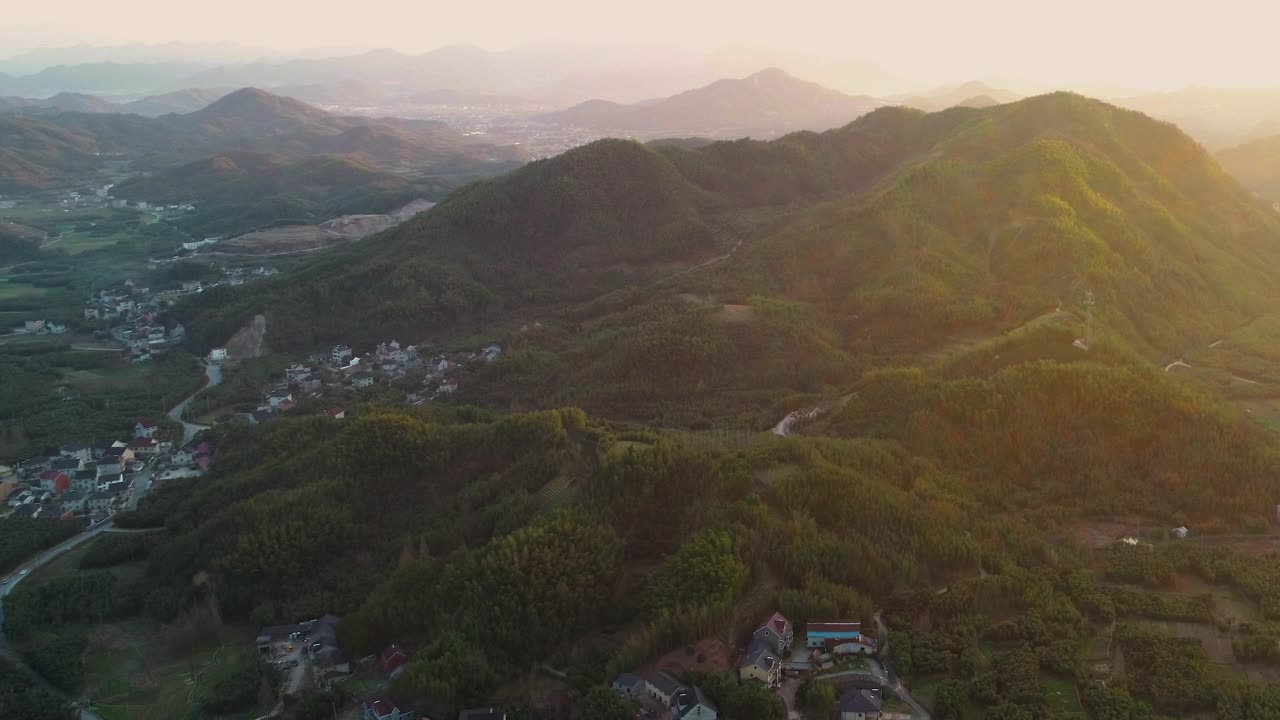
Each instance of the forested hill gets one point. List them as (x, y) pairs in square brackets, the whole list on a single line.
[(899, 231)]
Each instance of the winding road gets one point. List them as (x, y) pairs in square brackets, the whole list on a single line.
[(41, 560), (190, 430)]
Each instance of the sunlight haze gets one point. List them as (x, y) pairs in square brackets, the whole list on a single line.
[(1094, 44)]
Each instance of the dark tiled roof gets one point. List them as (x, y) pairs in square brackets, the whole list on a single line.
[(850, 626), (666, 683), (858, 700), (689, 698)]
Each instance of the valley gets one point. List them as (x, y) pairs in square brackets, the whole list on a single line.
[(400, 401)]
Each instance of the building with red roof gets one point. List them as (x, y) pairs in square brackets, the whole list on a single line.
[(393, 660), (381, 708), (55, 481)]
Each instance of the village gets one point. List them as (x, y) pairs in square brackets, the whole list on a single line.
[(132, 313), (834, 652), (328, 376), (95, 480)]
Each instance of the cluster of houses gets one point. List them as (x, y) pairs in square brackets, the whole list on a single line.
[(39, 327), (390, 361), (341, 369), (767, 656), (316, 642), (94, 480)]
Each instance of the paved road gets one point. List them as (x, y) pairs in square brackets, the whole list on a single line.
[(788, 694), (16, 577), (894, 682), (141, 484), (190, 430)]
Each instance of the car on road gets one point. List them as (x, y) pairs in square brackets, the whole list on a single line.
[(24, 571), (4, 581)]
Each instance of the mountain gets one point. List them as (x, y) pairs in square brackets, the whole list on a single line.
[(1217, 117), (247, 120), (79, 102), (241, 191), (970, 94), (1256, 165), (35, 155), (896, 234), (770, 102), (176, 102), (33, 61), (104, 78), (254, 113)]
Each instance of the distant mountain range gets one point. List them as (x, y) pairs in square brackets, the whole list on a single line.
[(34, 61), (1218, 118), (970, 94), (1256, 164), (770, 102), (42, 149)]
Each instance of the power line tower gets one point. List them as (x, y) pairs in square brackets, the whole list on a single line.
[(1085, 342)]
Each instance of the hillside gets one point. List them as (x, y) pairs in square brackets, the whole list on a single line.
[(919, 277), (768, 103), (901, 233), (35, 155), (240, 191), (254, 113), (246, 120), (1256, 165), (178, 101)]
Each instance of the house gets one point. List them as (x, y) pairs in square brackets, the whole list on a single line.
[(489, 713), (100, 500), (393, 660), (182, 456), (275, 401), (86, 481), (629, 685), (33, 325), (1181, 532), (67, 465), (20, 497), (82, 451), (381, 708), (363, 380), (7, 491), (55, 481), (107, 482), (109, 465), (340, 354), (760, 663), (218, 354), (663, 686), (336, 413), (776, 631), (74, 500), (692, 704), (860, 704), (490, 353), (145, 428), (819, 632), (144, 446)]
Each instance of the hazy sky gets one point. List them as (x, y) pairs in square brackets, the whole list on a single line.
[(1021, 43)]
